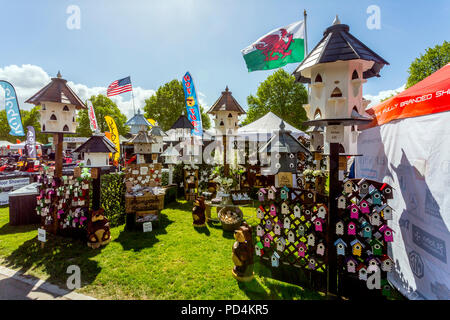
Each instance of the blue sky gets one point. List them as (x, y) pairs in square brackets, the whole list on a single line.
[(157, 41)]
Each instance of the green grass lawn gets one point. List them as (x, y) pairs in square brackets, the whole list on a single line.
[(174, 261)]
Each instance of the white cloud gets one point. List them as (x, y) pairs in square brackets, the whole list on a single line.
[(382, 95), (29, 79)]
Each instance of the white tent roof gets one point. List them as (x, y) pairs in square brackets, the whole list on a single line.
[(267, 124), (4, 143)]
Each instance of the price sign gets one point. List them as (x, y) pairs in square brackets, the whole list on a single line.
[(147, 226), (335, 134), (42, 235)]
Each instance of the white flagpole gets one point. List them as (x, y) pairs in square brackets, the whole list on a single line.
[(132, 95)]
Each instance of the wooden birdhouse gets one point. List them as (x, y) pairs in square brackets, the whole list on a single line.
[(385, 288), (320, 249), (259, 231), (363, 187), (387, 191), (297, 211), (284, 193), (278, 228), (259, 249), (96, 151), (157, 134), (260, 212), (351, 264), (308, 197), (366, 230), (348, 186), (364, 207), (273, 210), (142, 143), (307, 211), (262, 194), (281, 244), (269, 224), (312, 263), (301, 230), (377, 247), (340, 228), (138, 123), (311, 239), (386, 211), (267, 240), (291, 236), (387, 232), (342, 201), (301, 249), (271, 193), (354, 211), (318, 224), (357, 247), (59, 105), (275, 259), (372, 264), (322, 211), (340, 247), (351, 229), (285, 208), (375, 218), (376, 197), (362, 271), (286, 222), (387, 264), (317, 139)]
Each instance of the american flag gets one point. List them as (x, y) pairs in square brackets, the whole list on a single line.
[(119, 86)]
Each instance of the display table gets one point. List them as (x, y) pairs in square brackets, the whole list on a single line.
[(22, 206)]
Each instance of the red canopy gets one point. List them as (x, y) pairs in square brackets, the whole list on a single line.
[(431, 95)]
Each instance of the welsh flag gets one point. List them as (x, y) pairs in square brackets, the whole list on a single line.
[(277, 48)]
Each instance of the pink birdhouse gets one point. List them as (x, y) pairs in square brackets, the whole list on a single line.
[(351, 229), (388, 233), (261, 194), (267, 240), (318, 224), (273, 210), (301, 249), (278, 227), (351, 265), (271, 193), (354, 211), (320, 249), (364, 206)]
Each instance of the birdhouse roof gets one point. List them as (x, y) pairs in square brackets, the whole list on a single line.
[(138, 120), (375, 241), (276, 255), (142, 137), (57, 91), (340, 241), (361, 266), (338, 44), (156, 131), (97, 144), (356, 241), (170, 152), (263, 190), (226, 102), (348, 259), (283, 142), (182, 123)]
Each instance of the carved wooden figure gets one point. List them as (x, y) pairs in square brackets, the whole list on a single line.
[(98, 229), (198, 213), (243, 254)]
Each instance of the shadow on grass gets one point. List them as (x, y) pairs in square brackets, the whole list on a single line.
[(137, 240), (203, 230), (8, 229), (54, 259)]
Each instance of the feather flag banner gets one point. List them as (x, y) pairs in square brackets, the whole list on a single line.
[(12, 109)]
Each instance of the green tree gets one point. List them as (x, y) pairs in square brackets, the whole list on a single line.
[(433, 59), (283, 96), (167, 105), (103, 106)]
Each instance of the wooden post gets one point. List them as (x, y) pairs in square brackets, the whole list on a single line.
[(334, 189), (58, 139), (225, 164), (96, 185)]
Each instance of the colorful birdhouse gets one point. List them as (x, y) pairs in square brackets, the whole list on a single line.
[(301, 230), (311, 239), (271, 193), (301, 249), (286, 223), (348, 186), (273, 210), (356, 247), (351, 263), (307, 212), (386, 263), (312, 263), (364, 206), (284, 208), (340, 228), (387, 191), (259, 231), (262, 194), (322, 211), (388, 233), (284, 193), (342, 201), (376, 197), (269, 224), (260, 212), (372, 264), (267, 240), (375, 218), (354, 211), (291, 236), (362, 272), (318, 224), (385, 288), (386, 211), (281, 244), (275, 259), (320, 250), (363, 187), (278, 228), (297, 211), (351, 229), (308, 197), (377, 247), (259, 249), (366, 230), (340, 247)]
